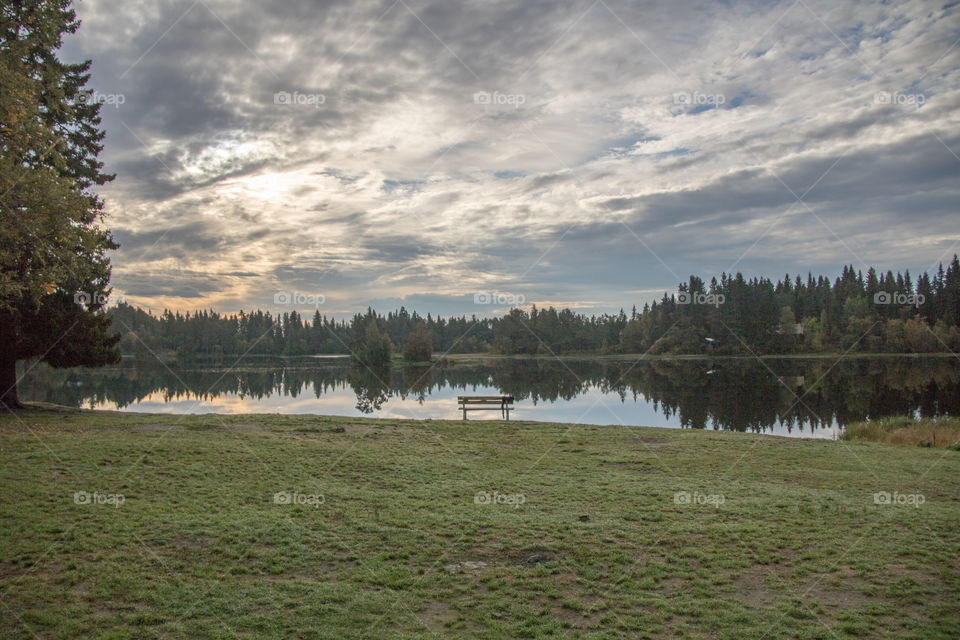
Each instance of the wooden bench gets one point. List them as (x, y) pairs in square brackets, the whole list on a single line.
[(474, 403)]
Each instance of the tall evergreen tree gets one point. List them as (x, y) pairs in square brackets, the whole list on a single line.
[(54, 272)]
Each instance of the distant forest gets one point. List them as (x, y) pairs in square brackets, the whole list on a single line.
[(732, 315)]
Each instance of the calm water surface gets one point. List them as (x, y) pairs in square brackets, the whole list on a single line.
[(807, 398)]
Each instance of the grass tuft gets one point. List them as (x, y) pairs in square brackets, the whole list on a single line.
[(904, 430)]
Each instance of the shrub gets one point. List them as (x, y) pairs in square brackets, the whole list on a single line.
[(418, 347), (905, 430)]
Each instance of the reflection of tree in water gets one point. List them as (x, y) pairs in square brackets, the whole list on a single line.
[(131, 383), (547, 380), (417, 382), (755, 396), (371, 386), (721, 393)]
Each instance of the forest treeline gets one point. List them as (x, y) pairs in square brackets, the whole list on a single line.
[(860, 312)]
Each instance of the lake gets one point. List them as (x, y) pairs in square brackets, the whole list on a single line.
[(806, 397)]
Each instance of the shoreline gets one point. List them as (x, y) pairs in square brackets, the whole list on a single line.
[(46, 409)]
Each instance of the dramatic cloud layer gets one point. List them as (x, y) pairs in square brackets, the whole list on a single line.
[(586, 154)]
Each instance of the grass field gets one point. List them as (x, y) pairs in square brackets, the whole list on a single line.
[(152, 526)]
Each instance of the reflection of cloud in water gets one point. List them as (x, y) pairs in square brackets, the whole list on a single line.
[(592, 407), (739, 395)]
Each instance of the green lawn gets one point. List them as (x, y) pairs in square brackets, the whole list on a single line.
[(590, 532)]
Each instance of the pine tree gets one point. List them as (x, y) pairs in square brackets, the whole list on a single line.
[(54, 273)]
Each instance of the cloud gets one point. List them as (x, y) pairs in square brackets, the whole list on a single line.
[(577, 152)]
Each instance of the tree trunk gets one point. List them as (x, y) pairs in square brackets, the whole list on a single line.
[(8, 384)]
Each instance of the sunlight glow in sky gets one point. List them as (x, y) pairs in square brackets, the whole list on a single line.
[(583, 154)]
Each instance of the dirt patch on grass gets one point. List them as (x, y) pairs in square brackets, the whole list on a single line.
[(751, 590), (673, 582), (582, 619), (539, 558), (8, 570), (321, 429), (354, 428), (437, 615), (466, 566), (192, 543), (833, 592), (917, 575), (492, 554)]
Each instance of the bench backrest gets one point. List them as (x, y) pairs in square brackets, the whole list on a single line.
[(497, 400)]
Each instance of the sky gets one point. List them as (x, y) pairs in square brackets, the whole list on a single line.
[(466, 157)]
